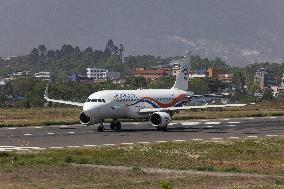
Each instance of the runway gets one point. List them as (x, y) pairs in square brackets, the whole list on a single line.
[(76, 136)]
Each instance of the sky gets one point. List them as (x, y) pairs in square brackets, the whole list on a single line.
[(240, 32)]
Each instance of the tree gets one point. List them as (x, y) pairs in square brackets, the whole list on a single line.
[(198, 86), (67, 50), (88, 50), (109, 47), (42, 50), (50, 54), (121, 49), (34, 54)]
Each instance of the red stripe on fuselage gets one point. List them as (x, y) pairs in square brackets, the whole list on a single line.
[(171, 104)]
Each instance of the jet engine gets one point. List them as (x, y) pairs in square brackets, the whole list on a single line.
[(84, 119), (160, 119)]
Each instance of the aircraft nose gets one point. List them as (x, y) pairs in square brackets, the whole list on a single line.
[(87, 109)]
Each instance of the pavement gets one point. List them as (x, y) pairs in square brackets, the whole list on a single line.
[(77, 136)]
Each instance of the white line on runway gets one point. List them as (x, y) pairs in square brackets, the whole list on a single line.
[(173, 123), (73, 146), (190, 123), (231, 125), (252, 136), (50, 133), (212, 123), (38, 127), (109, 144), (271, 135), (226, 119), (12, 128), (7, 146), (249, 118), (135, 123), (90, 145), (217, 138), (234, 137), (127, 143), (209, 126), (179, 140), (56, 147), (272, 117), (161, 141), (196, 139), (234, 122), (63, 126), (143, 142), (28, 134), (71, 132)]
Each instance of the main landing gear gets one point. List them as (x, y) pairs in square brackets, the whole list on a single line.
[(114, 125)]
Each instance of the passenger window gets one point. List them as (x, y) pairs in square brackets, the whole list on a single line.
[(99, 100)]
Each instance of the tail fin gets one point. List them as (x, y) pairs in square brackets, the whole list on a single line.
[(182, 78)]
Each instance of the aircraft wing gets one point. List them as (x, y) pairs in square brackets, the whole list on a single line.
[(61, 101), (151, 110)]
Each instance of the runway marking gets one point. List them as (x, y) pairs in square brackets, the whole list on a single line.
[(161, 141), (216, 138), (203, 120), (11, 128), (173, 123), (50, 133), (109, 144), (231, 125), (28, 134), (56, 147), (249, 118), (38, 127), (252, 136), (234, 122), (63, 126), (127, 143), (271, 135), (226, 119), (73, 146), (135, 123), (179, 140), (209, 126), (234, 137), (190, 123), (143, 142), (71, 132), (90, 145), (272, 117), (196, 139), (212, 123), (7, 146)]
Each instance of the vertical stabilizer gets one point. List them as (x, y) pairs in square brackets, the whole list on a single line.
[(181, 82)]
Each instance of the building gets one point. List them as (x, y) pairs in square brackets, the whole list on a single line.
[(215, 72), (96, 74), (265, 78), (153, 73), (44, 76), (102, 74)]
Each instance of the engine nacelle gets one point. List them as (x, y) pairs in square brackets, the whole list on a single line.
[(160, 119), (84, 119)]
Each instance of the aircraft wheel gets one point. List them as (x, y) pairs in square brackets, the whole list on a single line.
[(118, 126), (112, 126), (100, 128)]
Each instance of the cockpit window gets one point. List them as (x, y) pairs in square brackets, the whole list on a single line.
[(88, 100), (94, 100), (99, 100), (103, 100)]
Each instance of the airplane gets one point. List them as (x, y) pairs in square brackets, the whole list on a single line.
[(157, 105)]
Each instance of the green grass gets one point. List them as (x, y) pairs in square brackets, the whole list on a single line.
[(55, 169), (249, 156)]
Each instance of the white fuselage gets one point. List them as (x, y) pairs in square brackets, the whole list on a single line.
[(117, 104)]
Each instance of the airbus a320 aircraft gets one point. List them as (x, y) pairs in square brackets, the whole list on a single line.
[(158, 105)]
